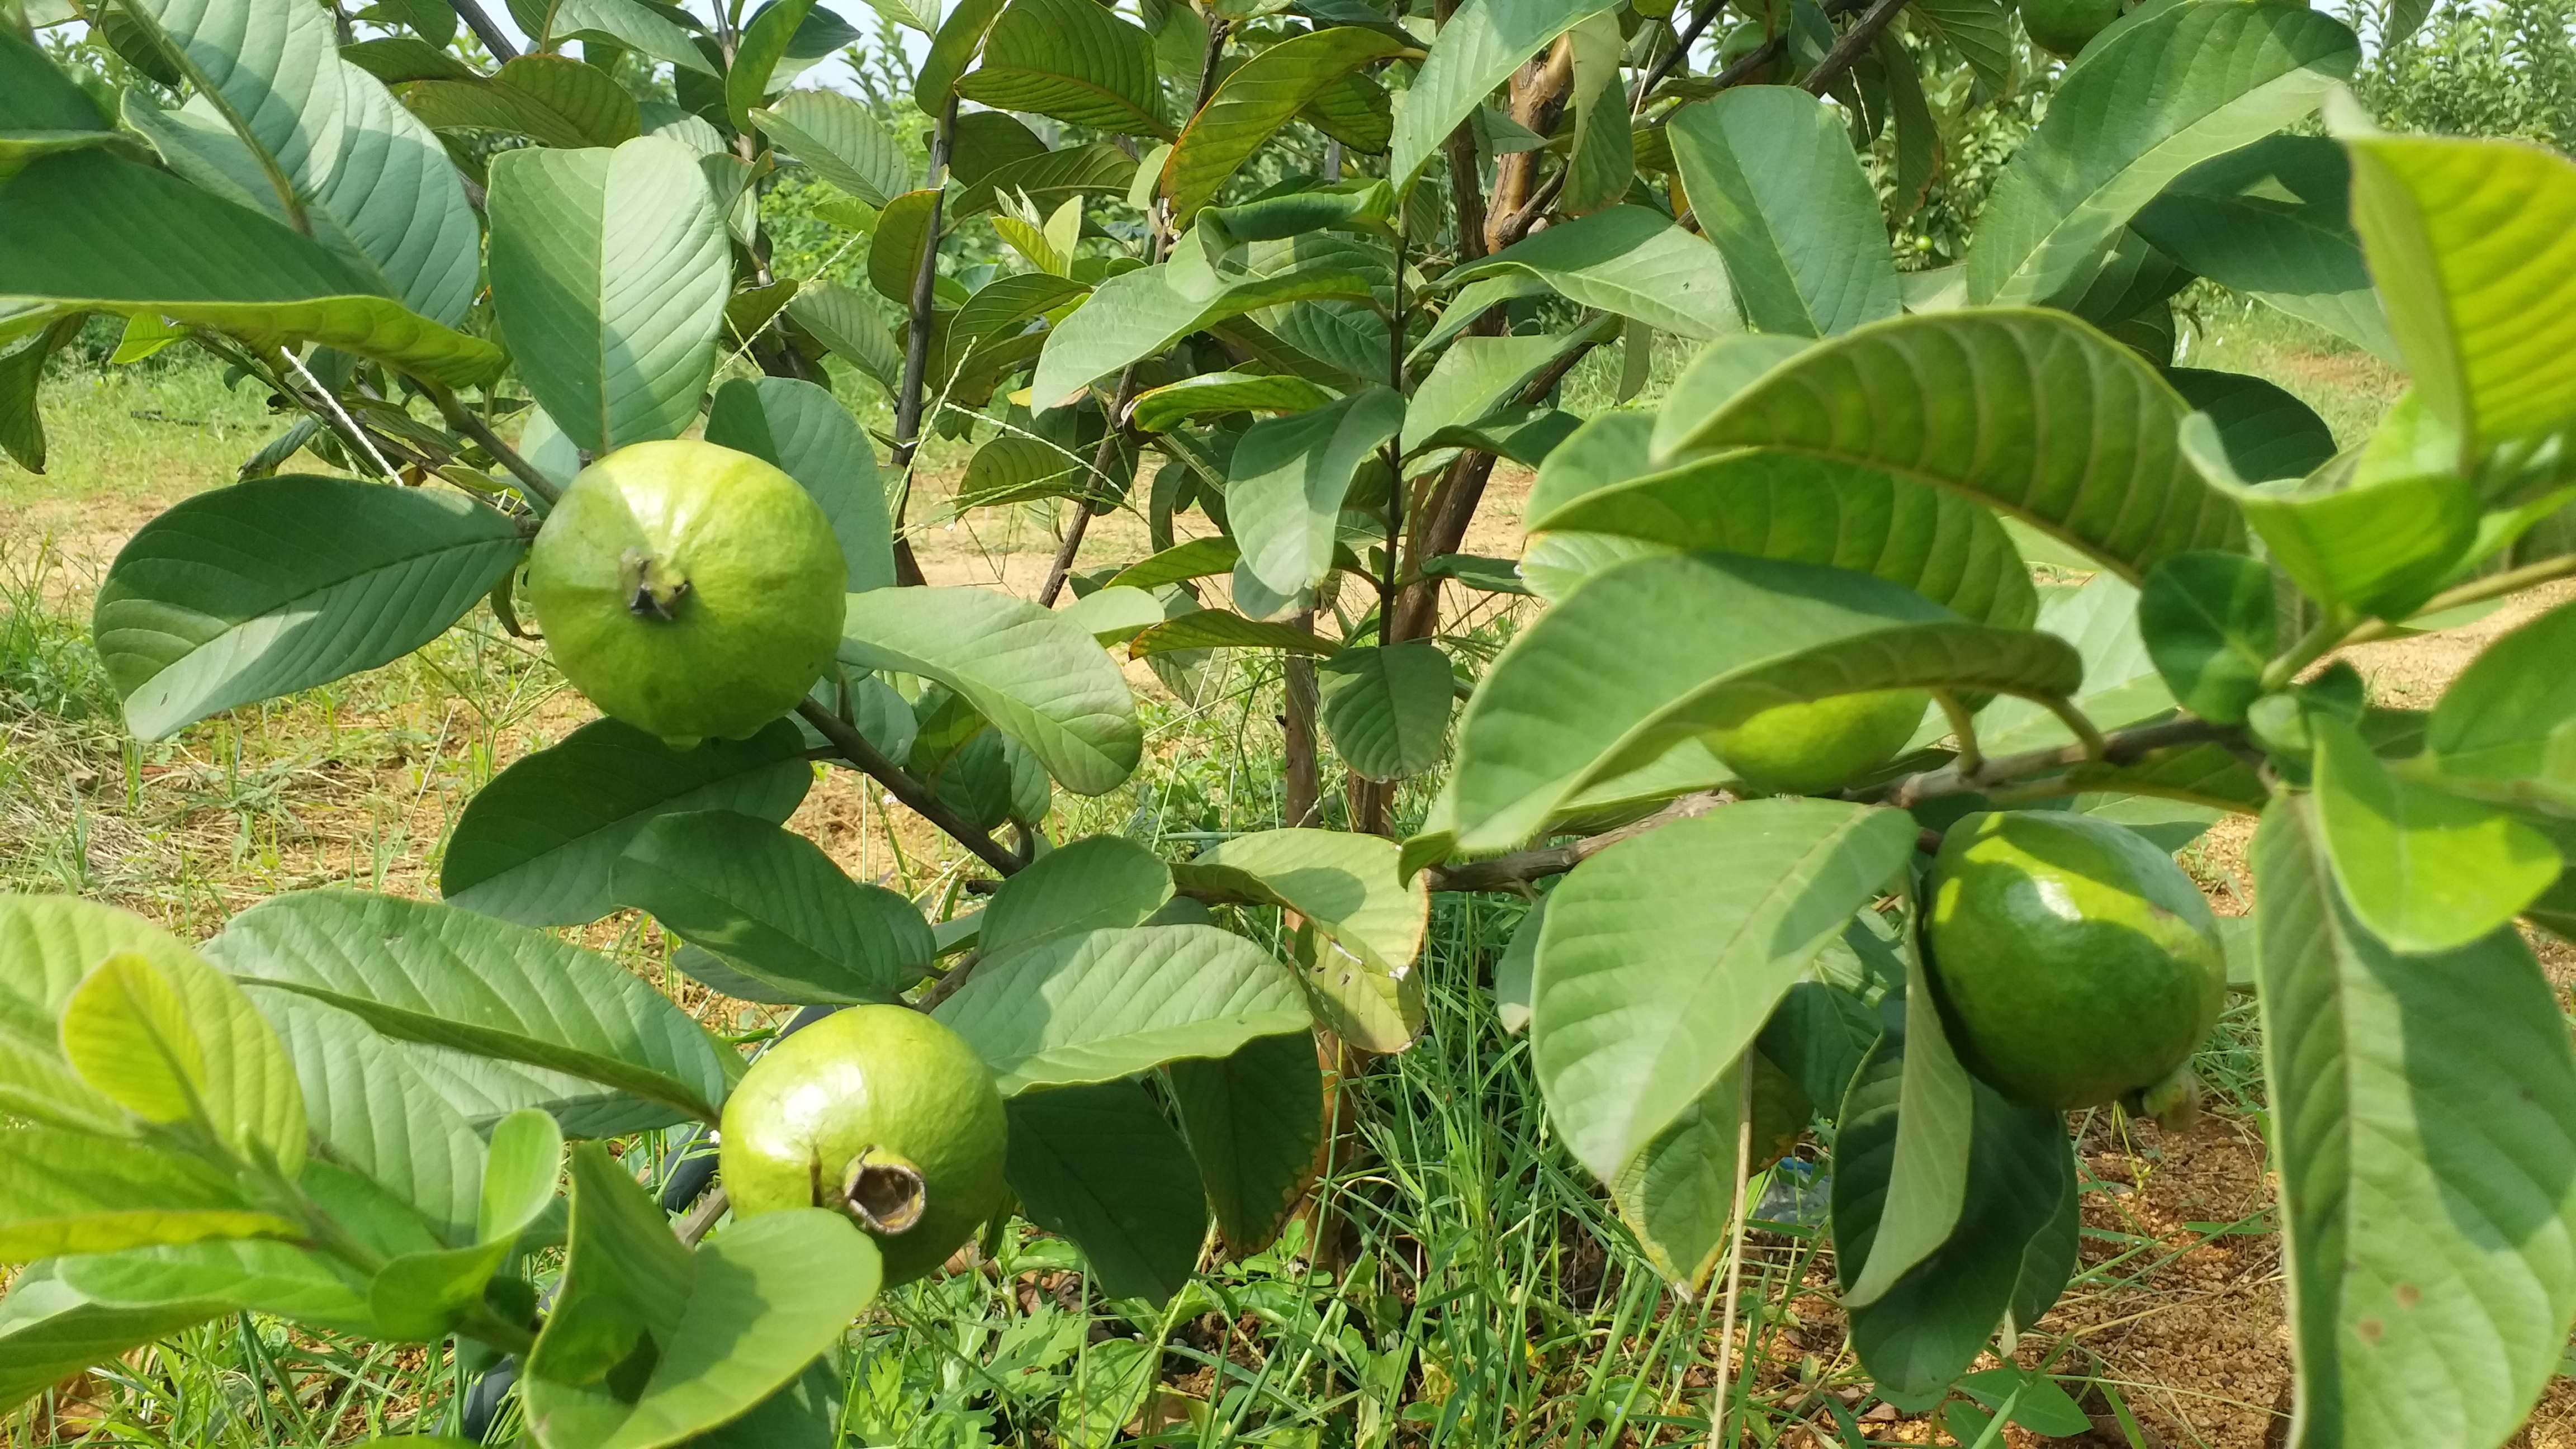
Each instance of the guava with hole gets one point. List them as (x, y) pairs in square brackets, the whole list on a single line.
[(1806, 749), (2074, 963), (879, 1112), (688, 589), (2064, 27)]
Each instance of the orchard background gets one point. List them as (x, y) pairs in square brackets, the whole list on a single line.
[(1472, 1284)]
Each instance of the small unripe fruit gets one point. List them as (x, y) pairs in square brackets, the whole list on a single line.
[(1806, 749)]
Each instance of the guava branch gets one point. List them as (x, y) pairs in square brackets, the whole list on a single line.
[(923, 800), (1515, 871), (462, 418), (2119, 747)]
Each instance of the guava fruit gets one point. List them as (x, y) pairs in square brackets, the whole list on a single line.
[(2064, 27), (879, 1112), (1802, 749), (688, 589), (2074, 963)]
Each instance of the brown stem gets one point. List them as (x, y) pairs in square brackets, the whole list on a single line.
[(464, 421), (1517, 870), (1304, 788), (925, 802), (484, 30), (946, 986), (1678, 54), (1854, 44), (1538, 97), (920, 317)]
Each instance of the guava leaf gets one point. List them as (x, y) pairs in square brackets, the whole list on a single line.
[(1098, 1164), (432, 974), (2424, 1115), (2473, 245), (2167, 92), (1570, 703), (2266, 431), (1101, 1005), (1387, 709), (74, 1192), (51, 943), (1260, 96), (2424, 870), (1810, 510), (1516, 970), (629, 23), (260, 1274), (376, 1114), (1772, 175), (762, 43), (2122, 685), (841, 142), (610, 271), (1101, 882), (2274, 221), (1074, 61), (805, 431), (1039, 678), (772, 904), (372, 182), (2379, 548), (1219, 629), (172, 1040), (1255, 1120), (848, 325), (1362, 976), (701, 1336), (1628, 260), (1928, 1168), (1137, 314), (49, 1331), (537, 844), (1284, 490), (2508, 716), (279, 584), (1478, 48), (1636, 1012), (2031, 412), (1160, 409), (2208, 620)]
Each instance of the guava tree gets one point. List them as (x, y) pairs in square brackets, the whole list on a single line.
[(1820, 790)]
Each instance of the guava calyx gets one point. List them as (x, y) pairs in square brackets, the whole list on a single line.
[(884, 1192), (653, 588)]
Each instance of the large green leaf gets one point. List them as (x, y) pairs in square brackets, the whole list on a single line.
[(2424, 1126), (256, 1273), (1773, 178), (1980, 30), (1662, 956), (1100, 1005), (844, 322), (610, 271), (373, 1112), (279, 584), (1040, 678), (1810, 510), (50, 1331), (2274, 220), (1218, 629), (2011, 1251), (650, 1344), (1348, 890), (2473, 244), (805, 431), (1099, 1164), (1072, 60), (1137, 314), (2266, 431), (104, 234), (444, 977), (1630, 260), (1160, 409), (2162, 95), (71, 1192), (633, 24), (774, 906), (1262, 95), (1387, 710), (1102, 882), (173, 1041), (2122, 685), (2209, 621), (536, 845), (1255, 1120), (51, 943), (371, 182), (2425, 871), (2512, 714), (841, 142), (1572, 703), (762, 43), (1284, 490), (2031, 412), (1478, 48)]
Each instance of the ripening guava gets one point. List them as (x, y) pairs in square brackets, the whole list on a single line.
[(2063, 27), (879, 1112), (688, 589), (1804, 749), (2074, 962)]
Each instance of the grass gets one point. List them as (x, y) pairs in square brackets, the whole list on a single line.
[(1486, 1294)]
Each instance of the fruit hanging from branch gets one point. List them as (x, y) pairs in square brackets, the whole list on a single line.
[(688, 589), (1807, 749)]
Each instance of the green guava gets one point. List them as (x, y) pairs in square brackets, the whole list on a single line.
[(2064, 27), (2074, 963), (1804, 749), (879, 1112), (688, 589)]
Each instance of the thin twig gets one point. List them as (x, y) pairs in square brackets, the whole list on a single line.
[(1674, 57), (2120, 747), (356, 433), (946, 986), (1854, 44), (925, 802), (1517, 870), (463, 420), (2475, 591), (1734, 1258), (484, 30), (702, 1217)]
